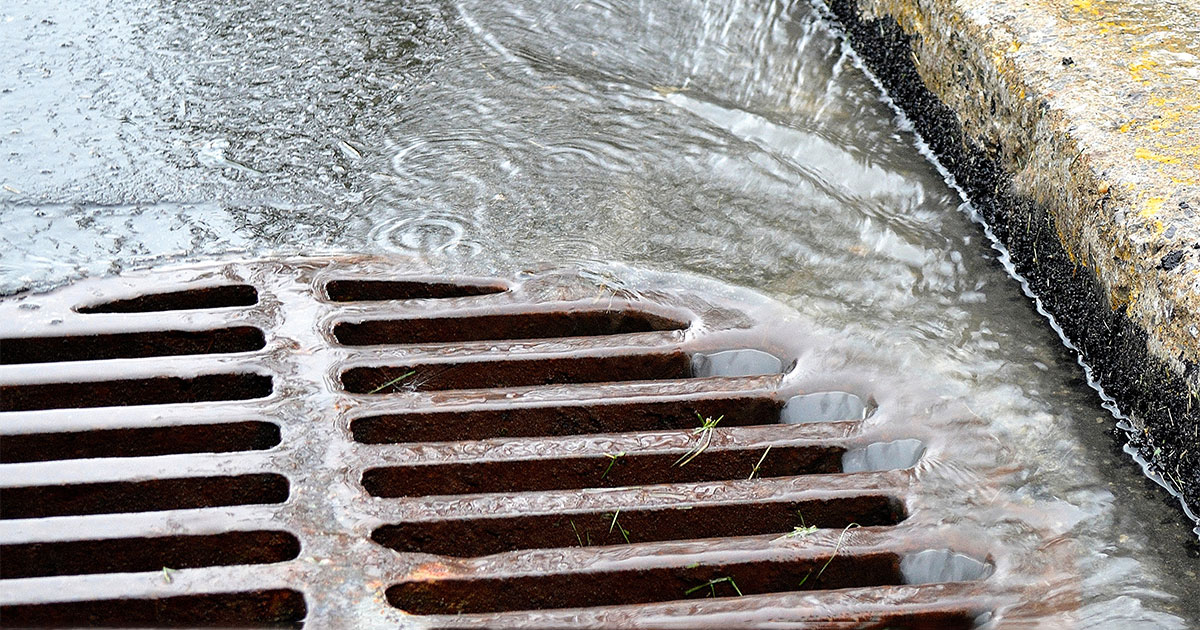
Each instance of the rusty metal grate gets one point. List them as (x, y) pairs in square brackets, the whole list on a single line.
[(349, 443)]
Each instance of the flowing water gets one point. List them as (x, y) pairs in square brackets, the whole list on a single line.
[(735, 139)]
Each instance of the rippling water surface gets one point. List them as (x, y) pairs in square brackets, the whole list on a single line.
[(733, 138)]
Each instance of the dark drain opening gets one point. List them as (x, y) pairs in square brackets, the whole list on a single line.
[(278, 608), (381, 290), (639, 586), (924, 620), (577, 419), (141, 442), (126, 555), (599, 471), (899, 620), (575, 323), (190, 299), (484, 536), (130, 345), (141, 496), (517, 372), (142, 391)]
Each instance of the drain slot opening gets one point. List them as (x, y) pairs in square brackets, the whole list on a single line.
[(599, 471), (382, 290), (517, 373), (143, 391), (823, 407), (575, 323), (190, 299), (128, 555), (616, 587), (739, 362), (484, 536), (140, 442), (895, 455), (922, 620), (278, 608), (141, 496), (545, 421), (130, 345)]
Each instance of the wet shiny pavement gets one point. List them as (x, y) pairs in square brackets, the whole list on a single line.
[(735, 140)]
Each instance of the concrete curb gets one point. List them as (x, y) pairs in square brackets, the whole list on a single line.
[(1075, 130)]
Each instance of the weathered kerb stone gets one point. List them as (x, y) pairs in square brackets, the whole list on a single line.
[(1075, 128)]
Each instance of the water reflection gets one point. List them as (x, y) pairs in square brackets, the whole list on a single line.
[(735, 139), (823, 407)]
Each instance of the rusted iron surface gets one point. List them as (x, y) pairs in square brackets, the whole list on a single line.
[(399, 450)]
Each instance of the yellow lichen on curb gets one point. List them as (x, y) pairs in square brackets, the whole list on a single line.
[(1093, 107), (1142, 153)]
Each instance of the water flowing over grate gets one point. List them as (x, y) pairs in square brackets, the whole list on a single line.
[(353, 443)]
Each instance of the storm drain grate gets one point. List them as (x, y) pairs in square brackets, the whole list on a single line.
[(348, 443)]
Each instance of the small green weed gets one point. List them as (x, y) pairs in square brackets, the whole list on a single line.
[(579, 538), (801, 530), (612, 462), (836, 549), (754, 471), (705, 431), (616, 525), (711, 585), (392, 382)]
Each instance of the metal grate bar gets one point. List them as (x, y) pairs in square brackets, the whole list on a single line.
[(357, 443)]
